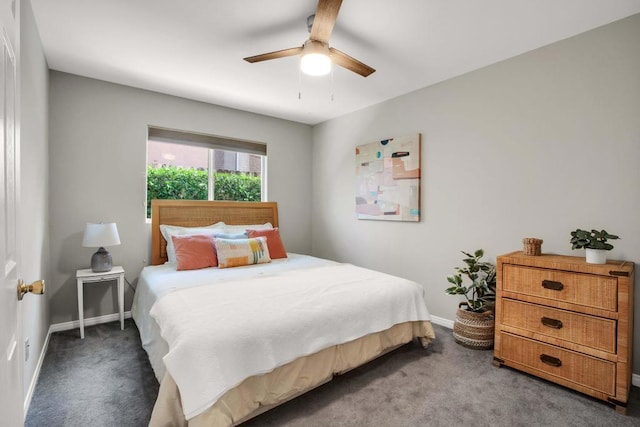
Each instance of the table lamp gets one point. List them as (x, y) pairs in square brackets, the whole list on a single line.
[(101, 235)]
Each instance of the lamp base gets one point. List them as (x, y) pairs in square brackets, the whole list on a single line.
[(101, 261)]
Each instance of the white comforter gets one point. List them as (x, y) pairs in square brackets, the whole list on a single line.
[(219, 335), (156, 281)]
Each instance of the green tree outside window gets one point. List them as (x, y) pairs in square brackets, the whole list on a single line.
[(174, 182)]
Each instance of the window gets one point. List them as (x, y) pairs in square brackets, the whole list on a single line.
[(183, 165)]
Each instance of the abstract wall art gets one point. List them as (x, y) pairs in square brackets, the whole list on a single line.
[(388, 179)]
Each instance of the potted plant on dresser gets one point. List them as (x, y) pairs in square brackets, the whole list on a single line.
[(474, 325), (595, 243)]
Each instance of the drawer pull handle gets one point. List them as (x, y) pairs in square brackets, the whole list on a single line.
[(550, 360), (552, 323), (554, 286)]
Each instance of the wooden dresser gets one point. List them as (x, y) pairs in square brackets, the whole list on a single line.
[(567, 321)]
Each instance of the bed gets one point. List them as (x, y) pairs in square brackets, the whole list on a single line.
[(227, 344)]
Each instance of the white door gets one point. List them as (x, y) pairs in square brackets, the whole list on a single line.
[(11, 406)]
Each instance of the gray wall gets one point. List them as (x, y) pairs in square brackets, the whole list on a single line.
[(98, 161), (34, 171), (534, 146)]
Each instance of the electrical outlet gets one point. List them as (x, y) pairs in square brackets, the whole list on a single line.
[(26, 349)]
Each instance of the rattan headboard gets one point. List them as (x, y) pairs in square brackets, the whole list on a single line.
[(194, 213)]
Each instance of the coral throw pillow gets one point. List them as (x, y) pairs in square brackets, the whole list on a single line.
[(194, 252), (274, 242), (237, 252), (173, 230)]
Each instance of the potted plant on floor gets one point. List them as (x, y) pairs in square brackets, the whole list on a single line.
[(595, 243), (474, 325)]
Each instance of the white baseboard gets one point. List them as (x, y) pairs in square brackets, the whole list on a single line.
[(36, 373), (442, 322), (635, 378), (57, 327)]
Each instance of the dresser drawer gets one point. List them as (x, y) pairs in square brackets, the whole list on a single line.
[(578, 368), (581, 329), (577, 288)]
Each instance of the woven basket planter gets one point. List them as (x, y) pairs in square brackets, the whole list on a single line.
[(474, 330)]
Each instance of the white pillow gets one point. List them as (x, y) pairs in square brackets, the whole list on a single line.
[(175, 230), (236, 229)]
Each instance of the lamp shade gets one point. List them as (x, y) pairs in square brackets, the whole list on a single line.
[(99, 235)]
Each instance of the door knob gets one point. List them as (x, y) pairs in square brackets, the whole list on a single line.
[(36, 287)]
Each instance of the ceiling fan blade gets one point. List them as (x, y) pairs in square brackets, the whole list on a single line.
[(274, 55), (325, 19), (352, 64)]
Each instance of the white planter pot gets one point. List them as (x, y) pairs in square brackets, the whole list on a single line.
[(596, 256)]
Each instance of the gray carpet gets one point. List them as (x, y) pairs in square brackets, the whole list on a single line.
[(103, 380), (106, 380)]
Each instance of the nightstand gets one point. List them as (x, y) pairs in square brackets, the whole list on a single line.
[(88, 276)]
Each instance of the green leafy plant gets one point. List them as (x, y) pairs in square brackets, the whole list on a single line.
[(230, 186), (481, 293), (593, 239), (173, 182)]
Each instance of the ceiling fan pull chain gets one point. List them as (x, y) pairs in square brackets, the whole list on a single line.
[(299, 83), (331, 84)]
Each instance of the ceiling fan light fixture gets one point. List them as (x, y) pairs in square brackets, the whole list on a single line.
[(315, 60), (317, 57)]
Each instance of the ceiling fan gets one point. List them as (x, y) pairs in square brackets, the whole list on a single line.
[(316, 54)]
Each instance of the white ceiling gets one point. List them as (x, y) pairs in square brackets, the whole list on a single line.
[(194, 48)]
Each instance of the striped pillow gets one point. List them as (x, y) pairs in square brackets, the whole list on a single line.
[(237, 252)]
